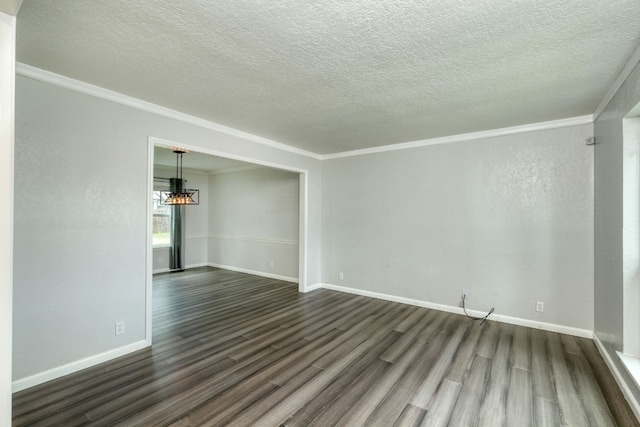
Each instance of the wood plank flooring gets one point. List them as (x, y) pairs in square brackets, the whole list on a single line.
[(240, 350)]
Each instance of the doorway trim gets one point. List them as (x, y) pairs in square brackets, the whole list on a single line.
[(152, 142)]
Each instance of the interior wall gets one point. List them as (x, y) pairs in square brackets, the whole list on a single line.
[(609, 208), (7, 73), (509, 219), (80, 230), (253, 221), (80, 238), (196, 222)]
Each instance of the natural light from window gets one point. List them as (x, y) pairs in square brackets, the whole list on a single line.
[(161, 222), (630, 355)]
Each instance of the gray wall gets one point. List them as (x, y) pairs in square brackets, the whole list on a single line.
[(252, 224), (510, 219), (507, 218), (609, 202), (80, 230), (253, 221)]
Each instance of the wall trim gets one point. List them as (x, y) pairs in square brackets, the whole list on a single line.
[(631, 64), (584, 333), (148, 272), (7, 179), (314, 287), (10, 7), (631, 365), (113, 96), (172, 144), (303, 220), (254, 239), (553, 124), (168, 246), (622, 383), (254, 272), (230, 268), (168, 270), (78, 365), (303, 202)]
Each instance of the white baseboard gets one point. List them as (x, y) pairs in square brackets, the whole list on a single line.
[(200, 264), (231, 268), (61, 371), (76, 366), (584, 333), (255, 273), (167, 270), (314, 287), (622, 383)]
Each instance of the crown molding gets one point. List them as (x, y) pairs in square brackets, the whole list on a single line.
[(554, 124), (10, 7), (109, 95), (631, 64)]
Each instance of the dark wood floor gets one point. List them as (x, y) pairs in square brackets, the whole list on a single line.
[(240, 350)]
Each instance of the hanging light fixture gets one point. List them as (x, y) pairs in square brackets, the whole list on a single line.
[(178, 194)]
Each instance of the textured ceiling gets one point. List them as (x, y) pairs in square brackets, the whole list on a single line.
[(335, 75)]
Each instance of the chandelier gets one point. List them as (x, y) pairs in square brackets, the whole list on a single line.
[(178, 195)]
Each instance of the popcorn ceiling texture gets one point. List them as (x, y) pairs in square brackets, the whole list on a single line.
[(334, 75)]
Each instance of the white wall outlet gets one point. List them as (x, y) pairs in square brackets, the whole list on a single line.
[(465, 294), (539, 306), (119, 328), (341, 276)]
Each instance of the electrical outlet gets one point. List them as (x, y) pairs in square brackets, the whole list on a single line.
[(341, 276), (539, 306), (119, 328), (465, 294)]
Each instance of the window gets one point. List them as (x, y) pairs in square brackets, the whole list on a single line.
[(161, 222), (631, 244)]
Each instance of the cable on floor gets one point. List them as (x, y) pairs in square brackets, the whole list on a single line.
[(464, 297)]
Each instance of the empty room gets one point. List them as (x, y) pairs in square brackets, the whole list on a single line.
[(332, 213)]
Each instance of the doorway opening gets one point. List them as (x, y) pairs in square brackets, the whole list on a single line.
[(251, 217)]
